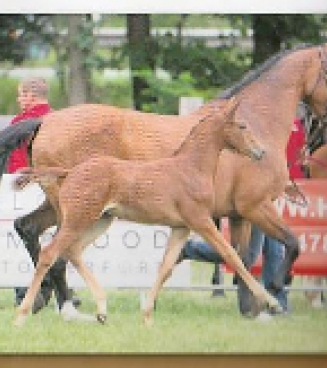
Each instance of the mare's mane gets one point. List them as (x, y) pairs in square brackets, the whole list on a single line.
[(254, 74)]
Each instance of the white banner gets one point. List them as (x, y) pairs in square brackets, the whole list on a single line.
[(128, 255)]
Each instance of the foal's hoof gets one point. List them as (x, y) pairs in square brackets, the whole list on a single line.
[(101, 318), (19, 320), (148, 320)]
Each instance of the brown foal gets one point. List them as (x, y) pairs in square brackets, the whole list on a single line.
[(176, 191)]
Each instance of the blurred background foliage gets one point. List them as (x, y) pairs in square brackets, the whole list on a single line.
[(156, 63)]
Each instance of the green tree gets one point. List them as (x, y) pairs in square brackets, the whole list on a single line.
[(142, 56), (80, 63), (273, 32), (16, 33)]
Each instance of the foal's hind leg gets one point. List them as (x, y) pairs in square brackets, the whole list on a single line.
[(48, 255), (175, 243)]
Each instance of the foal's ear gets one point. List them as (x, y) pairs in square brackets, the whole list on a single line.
[(231, 106)]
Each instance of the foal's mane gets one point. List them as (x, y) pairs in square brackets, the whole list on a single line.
[(194, 131)]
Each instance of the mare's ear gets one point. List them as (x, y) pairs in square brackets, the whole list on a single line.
[(231, 106)]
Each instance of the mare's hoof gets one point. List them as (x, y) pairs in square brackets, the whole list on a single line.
[(101, 318), (288, 279)]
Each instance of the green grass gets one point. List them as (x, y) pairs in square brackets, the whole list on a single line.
[(185, 322)]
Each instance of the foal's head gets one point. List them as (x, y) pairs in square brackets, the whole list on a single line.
[(237, 135)]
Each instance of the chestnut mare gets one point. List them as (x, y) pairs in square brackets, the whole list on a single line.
[(243, 190), (176, 191)]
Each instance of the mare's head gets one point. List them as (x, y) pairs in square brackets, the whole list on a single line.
[(236, 134)]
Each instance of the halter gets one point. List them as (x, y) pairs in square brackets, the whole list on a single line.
[(322, 124), (323, 118)]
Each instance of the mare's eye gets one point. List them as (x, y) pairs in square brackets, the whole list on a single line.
[(242, 126)]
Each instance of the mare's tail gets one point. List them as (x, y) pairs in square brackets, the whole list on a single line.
[(13, 136), (41, 175)]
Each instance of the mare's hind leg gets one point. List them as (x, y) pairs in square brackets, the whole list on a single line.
[(240, 230), (29, 228), (175, 243)]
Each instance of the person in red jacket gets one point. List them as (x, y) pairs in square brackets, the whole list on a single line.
[(293, 150), (33, 102)]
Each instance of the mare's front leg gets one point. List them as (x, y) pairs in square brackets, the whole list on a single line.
[(175, 243), (266, 218)]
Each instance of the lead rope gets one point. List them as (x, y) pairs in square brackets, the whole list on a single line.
[(302, 201)]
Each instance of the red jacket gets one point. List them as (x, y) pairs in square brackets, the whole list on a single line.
[(19, 157), (294, 146)]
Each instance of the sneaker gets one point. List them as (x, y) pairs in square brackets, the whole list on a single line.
[(264, 316)]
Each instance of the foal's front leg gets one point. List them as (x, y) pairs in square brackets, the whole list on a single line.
[(97, 290), (205, 227), (175, 244)]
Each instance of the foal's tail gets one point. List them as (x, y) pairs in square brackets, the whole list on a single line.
[(43, 176), (13, 136)]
